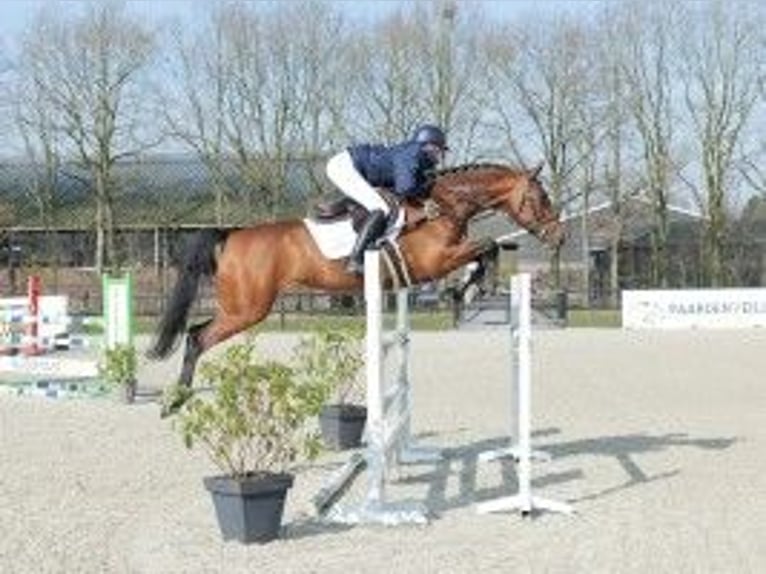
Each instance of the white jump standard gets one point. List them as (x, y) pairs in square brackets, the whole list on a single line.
[(389, 408), (521, 447)]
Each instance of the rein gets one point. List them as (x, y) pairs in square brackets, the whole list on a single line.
[(451, 209), (445, 210)]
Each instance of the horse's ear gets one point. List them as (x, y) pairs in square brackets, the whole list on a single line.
[(535, 171)]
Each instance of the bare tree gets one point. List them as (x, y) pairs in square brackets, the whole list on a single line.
[(543, 90), (193, 105), (258, 101), (587, 148), (88, 74), (321, 61), (450, 37), (647, 58), (503, 124), (753, 173), (35, 124), (722, 66), (612, 87), (321, 41), (6, 101), (260, 90), (389, 86)]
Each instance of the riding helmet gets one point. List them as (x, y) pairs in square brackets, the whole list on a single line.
[(430, 134)]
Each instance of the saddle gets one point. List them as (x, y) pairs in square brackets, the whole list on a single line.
[(335, 208), (344, 207)]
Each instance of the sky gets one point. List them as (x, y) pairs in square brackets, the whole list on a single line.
[(16, 14)]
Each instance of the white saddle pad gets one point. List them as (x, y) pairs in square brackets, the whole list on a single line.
[(336, 239)]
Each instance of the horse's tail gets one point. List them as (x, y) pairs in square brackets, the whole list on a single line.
[(199, 260)]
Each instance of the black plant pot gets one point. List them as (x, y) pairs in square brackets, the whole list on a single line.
[(342, 426), (249, 509)]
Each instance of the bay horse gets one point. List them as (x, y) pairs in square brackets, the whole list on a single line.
[(251, 266)]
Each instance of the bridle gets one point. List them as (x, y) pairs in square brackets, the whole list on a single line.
[(539, 227)]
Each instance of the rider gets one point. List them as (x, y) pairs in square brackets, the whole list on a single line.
[(402, 168)]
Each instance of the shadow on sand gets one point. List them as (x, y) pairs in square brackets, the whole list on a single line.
[(463, 461)]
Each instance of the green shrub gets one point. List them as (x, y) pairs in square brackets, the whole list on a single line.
[(254, 419), (118, 367), (332, 359)]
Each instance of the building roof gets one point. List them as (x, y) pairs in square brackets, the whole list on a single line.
[(635, 214)]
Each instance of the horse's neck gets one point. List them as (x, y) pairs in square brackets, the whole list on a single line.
[(463, 198)]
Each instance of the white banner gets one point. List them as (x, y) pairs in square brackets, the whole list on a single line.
[(694, 308)]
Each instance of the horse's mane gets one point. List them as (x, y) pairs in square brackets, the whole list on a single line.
[(469, 167), (435, 175)]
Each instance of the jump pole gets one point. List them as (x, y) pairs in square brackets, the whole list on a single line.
[(388, 419), (521, 444), (118, 310), (34, 290)]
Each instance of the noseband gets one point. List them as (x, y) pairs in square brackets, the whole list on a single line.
[(539, 226), (476, 204)]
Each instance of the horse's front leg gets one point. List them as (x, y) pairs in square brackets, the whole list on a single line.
[(480, 252)]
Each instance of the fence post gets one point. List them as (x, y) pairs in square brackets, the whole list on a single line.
[(562, 306), (118, 310)]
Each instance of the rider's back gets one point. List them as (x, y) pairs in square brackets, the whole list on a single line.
[(399, 167)]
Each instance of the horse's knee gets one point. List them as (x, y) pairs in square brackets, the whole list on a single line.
[(194, 348)]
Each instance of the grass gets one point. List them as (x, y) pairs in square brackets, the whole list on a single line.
[(594, 318), (437, 321), (422, 321), (430, 321)]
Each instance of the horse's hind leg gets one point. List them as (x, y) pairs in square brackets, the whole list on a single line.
[(176, 396), (192, 352), (199, 339), (225, 326), (205, 335)]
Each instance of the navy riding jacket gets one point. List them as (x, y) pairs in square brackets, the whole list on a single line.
[(402, 168)]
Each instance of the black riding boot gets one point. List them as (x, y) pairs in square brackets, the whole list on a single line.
[(374, 225)]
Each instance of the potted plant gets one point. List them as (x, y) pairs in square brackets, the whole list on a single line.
[(334, 358), (118, 370), (251, 425)]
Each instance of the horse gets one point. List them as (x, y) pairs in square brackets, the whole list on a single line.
[(251, 266)]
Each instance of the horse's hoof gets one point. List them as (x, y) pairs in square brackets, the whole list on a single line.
[(169, 410), (175, 397)]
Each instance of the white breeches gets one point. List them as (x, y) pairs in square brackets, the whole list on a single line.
[(341, 171)]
